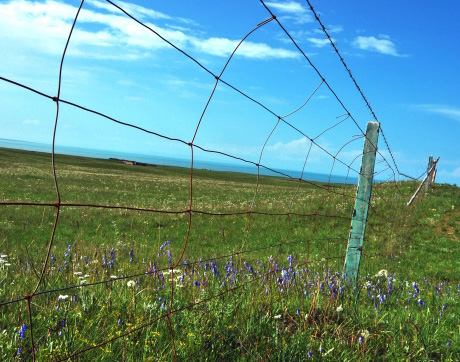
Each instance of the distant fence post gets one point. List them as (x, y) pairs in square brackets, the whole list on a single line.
[(363, 196), (430, 165), (430, 174)]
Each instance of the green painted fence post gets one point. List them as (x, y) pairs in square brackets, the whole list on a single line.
[(363, 197), (428, 180)]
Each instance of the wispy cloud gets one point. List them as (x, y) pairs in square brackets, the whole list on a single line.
[(331, 29), (224, 47), (135, 10), (102, 32), (319, 43), (447, 111), (383, 45), (292, 11), (31, 122), (455, 173)]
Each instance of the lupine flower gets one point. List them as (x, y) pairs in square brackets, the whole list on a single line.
[(22, 331), (309, 354), (420, 301), (120, 321), (447, 344), (360, 339), (19, 351)]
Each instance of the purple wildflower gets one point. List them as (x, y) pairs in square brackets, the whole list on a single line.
[(22, 331)]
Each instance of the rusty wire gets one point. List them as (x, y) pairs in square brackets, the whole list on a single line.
[(58, 204)]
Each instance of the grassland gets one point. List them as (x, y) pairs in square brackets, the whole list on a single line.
[(281, 298)]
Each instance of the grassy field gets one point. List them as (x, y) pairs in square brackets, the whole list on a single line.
[(281, 298)]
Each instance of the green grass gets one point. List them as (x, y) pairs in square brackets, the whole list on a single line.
[(313, 312)]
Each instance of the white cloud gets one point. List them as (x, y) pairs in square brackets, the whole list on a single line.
[(451, 174), (448, 111), (137, 11), (297, 150), (292, 10), (224, 47), (42, 27), (33, 122), (330, 29), (319, 43), (371, 43), (291, 7)]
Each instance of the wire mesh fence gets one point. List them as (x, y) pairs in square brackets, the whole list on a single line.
[(173, 254)]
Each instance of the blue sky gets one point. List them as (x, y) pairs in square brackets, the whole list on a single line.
[(404, 56)]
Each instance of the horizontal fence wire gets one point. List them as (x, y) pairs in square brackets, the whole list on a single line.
[(191, 212)]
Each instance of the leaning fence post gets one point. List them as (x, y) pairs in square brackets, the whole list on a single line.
[(363, 196), (430, 165)]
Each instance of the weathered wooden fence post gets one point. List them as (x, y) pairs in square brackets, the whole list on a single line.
[(363, 197), (431, 173), (430, 165)]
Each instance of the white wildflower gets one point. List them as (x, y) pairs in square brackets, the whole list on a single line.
[(113, 277), (131, 284), (77, 273), (339, 308), (365, 334), (382, 273), (277, 316), (83, 281), (63, 297)]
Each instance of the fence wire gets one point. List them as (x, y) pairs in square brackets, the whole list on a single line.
[(191, 212)]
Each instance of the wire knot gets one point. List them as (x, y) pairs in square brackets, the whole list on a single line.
[(27, 296), (57, 204), (55, 99)]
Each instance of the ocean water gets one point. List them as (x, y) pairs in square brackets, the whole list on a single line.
[(171, 161)]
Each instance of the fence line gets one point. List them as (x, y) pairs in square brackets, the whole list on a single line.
[(191, 211)]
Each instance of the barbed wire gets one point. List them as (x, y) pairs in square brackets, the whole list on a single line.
[(368, 105), (190, 211)]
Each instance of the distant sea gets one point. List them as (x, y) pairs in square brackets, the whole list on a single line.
[(170, 161)]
